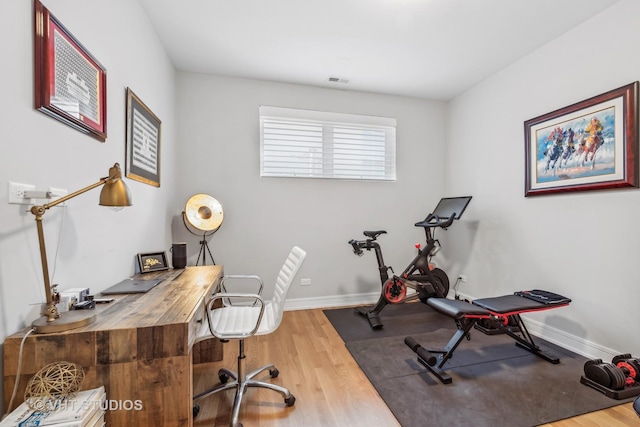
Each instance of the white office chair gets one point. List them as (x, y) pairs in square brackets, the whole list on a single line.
[(244, 315)]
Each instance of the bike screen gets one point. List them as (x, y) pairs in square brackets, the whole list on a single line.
[(447, 206)]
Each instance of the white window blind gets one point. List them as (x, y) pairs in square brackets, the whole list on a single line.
[(317, 144)]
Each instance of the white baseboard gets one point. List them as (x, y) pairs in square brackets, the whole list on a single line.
[(292, 304), (571, 342), (556, 336)]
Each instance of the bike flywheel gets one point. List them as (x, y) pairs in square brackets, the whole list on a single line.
[(394, 290)]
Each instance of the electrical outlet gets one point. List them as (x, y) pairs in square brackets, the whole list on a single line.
[(16, 193), (305, 282), (462, 278), (465, 297), (56, 193)]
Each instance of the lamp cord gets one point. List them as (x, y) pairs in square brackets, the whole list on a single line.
[(15, 386), (55, 258)]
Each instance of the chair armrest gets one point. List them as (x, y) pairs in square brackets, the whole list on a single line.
[(246, 277), (222, 295)]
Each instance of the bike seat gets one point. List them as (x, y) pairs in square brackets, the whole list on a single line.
[(374, 234)]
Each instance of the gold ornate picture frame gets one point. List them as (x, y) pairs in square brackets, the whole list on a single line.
[(142, 142)]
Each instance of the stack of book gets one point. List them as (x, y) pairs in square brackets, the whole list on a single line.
[(86, 410)]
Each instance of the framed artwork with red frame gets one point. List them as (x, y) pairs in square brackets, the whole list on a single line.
[(70, 84), (590, 145)]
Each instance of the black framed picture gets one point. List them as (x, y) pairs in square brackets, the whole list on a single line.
[(143, 142), (153, 261)]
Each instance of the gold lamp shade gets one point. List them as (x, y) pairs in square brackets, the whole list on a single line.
[(115, 192), (204, 212)]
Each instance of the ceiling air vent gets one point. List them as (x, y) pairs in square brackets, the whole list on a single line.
[(338, 80)]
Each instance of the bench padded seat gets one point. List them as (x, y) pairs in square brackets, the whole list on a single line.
[(458, 309), (509, 304)]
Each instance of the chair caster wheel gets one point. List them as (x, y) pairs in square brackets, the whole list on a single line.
[(196, 410), (223, 378), (290, 401), (274, 372)]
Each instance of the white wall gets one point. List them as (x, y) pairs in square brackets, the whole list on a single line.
[(95, 247), (265, 217), (582, 245)]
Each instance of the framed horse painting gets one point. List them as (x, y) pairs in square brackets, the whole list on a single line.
[(590, 145)]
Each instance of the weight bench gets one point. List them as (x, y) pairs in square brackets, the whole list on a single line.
[(496, 312)]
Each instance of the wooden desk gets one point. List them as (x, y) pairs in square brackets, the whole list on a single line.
[(140, 348)]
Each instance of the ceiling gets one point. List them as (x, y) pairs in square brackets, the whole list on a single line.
[(434, 49)]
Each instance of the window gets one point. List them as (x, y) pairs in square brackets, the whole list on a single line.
[(316, 144)]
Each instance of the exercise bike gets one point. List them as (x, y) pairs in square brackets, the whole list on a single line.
[(421, 274)]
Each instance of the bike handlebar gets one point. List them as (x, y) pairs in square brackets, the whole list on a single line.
[(357, 248), (432, 221)]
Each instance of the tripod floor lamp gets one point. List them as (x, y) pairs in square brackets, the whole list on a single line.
[(204, 213), (114, 194)]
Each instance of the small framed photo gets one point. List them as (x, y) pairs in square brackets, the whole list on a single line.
[(70, 85), (153, 261), (143, 142)]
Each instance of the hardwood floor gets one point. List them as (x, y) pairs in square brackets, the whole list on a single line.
[(329, 387)]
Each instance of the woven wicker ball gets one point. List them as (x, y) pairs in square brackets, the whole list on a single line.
[(53, 383)]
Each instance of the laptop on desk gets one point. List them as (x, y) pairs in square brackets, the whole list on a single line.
[(132, 286)]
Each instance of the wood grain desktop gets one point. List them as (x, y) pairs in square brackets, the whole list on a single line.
[(141, 348)]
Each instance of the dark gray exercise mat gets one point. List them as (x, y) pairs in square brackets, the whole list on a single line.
[(495, 383)]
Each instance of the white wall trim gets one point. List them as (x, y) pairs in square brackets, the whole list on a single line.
[(576, 344), (331, 301)]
